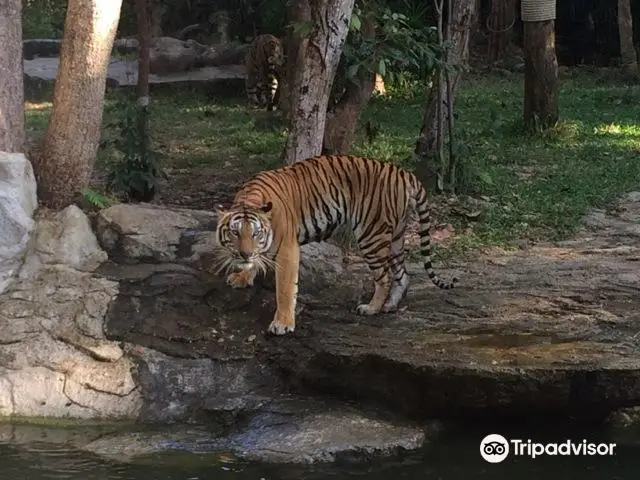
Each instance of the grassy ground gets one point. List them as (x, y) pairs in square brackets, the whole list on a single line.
[(532, 187)]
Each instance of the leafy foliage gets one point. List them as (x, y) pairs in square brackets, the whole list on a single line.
[(95, 199), (400, 52), (43, 18), (136, 175), (397, 49)]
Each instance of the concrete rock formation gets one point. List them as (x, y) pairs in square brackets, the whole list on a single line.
[(17, 204), (151, 334)]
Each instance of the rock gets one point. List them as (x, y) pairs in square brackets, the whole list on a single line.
[(151, 335), (228, 54), (170, 55), (126, 45), (303, 432), (286, 431), (66, 238), (541, 334), (18, 201), (147, 233), (51, 366), (547, 330), (143, 232), (41, 47), (227, 79), (54, 358), (222, 388)]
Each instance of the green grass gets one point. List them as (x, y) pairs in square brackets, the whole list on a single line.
[(535, 187)]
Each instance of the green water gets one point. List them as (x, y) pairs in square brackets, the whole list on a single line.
[(454, 456)]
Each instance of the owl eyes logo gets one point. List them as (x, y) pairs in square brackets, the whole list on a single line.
[(494, 448)]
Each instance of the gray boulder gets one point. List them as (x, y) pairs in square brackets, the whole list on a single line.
[(18, 201)]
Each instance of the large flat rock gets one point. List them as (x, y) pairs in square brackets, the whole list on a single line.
[(552, 329), (288, 430), (125, 72)]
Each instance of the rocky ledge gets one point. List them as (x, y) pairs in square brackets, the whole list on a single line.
[(121, 319), (550, 329)]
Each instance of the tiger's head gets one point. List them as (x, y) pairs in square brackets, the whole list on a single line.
[(244, 237)]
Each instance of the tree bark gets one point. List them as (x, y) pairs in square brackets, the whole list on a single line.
[(342, 119), (625, 31), (11, 77), (463, 15), (541, 75), (317, 53), (73, 134), (500, 25), (156, 8), (145, 24), (144, 14)]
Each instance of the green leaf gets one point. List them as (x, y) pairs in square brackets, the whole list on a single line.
[(382, 67), (355, 23)]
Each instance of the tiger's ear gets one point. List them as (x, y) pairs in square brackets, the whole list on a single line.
[(219, 209), (266, 208)]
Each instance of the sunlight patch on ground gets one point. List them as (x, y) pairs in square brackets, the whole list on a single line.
[(617, 129), (35, 106)]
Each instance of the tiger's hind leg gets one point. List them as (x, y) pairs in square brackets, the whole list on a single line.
[(376, 253), (399, 277), (271, 93)]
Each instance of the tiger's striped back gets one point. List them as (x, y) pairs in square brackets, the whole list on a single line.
[(326, 192), (264, 64)]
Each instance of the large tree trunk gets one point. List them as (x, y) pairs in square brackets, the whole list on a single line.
[(540, 63), (11, 77), (72, 136), (342, 118), (317, 53), (436, 113), (625, 30)]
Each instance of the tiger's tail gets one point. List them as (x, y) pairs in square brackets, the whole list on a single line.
[(422, 208)]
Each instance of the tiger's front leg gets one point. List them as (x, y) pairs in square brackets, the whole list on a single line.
[(288, 261), (243, 278)]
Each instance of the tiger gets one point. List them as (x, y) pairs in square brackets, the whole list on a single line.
[(277, 211), (264, 63)]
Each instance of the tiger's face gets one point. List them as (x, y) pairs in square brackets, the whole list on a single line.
[(244, 237)]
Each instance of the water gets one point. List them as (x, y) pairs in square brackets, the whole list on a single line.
[(455, 456)]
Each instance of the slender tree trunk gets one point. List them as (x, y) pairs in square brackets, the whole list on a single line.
[(342, 119), (436, 110), (145, 24), (156, 9), (540, 64), (316, 60), (625, 30), (11, 77), (144, 14), (500, 24), (72, 136)]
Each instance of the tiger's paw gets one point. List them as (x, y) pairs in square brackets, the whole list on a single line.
[(389, 308), (281, 325), (242, 279), (366, 309)]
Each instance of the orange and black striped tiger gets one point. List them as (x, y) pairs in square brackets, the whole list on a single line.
[(264, 63), (276, 211)]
